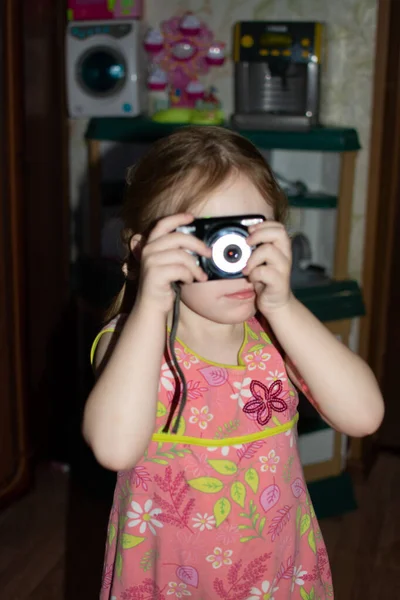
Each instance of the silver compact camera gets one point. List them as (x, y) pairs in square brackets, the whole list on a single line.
[(226, 236)]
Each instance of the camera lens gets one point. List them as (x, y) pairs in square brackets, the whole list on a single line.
[(232, 253)]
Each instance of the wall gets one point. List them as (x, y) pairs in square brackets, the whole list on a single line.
[(347, 82)]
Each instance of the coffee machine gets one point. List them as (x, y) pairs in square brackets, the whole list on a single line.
[(277, 74)]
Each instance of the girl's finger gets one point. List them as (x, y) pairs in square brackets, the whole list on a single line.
[(177, 257), (273, 233), (265, 274), (270, 223), (169, 224), (174, 273), (270, 254), (177, 240), (268, 232)]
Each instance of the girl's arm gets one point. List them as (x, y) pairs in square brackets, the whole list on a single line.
[(120, 413), (341, 384)]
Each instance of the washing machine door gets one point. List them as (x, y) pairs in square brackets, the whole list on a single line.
[(101, 71)]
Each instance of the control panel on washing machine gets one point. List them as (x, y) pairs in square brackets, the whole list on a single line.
[(83, 32)]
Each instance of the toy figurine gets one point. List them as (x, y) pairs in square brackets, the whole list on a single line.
[(184, 48)]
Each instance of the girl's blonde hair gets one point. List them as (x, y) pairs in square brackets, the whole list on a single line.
[(176, 174)]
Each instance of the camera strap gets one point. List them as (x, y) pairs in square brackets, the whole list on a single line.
[(180, 393)]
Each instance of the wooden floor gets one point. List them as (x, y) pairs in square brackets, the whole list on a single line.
[(51, 542)]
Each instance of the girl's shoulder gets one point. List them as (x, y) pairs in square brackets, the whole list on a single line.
[(116, 324), (259, 326)]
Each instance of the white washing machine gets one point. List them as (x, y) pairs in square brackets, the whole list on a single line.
[(105, 68)]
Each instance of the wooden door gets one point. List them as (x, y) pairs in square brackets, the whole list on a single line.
[(34, 234), (14, 464), (46, 214), (389, 437), (380, 332)]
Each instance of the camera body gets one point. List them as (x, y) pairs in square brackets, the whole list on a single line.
[(226, 236)]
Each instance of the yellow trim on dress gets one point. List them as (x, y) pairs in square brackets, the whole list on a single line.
[(240, 366), (231, 441), (96, 343)]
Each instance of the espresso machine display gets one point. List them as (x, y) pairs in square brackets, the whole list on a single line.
[(277, 74)]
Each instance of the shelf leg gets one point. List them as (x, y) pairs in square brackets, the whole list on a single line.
[(343, 226)]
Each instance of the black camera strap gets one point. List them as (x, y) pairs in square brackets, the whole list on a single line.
[(180, 393)]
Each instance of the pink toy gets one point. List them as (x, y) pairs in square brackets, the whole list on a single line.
[(195, 91), (154, 41), (158, 80), (215, 55), (184, 48), (190, 25), (93, 10)]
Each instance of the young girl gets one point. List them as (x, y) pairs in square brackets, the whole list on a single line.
[(219, 509)]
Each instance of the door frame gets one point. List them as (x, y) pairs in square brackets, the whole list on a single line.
[(383, 185), (13, 302)]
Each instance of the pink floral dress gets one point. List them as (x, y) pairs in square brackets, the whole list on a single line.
[(221, 509)]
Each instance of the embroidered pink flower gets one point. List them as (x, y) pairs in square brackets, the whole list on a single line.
[(145, 517), (275, 375), (186, 358), (265, 400), (203, 522), (220, 558), (178, 589), (257, 360), (269, 462), (202, 416)]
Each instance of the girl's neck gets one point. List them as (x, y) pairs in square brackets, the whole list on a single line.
[(218, 342)]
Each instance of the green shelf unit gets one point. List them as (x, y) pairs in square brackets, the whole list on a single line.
[(333, 497), (335, 301), (144, 130), (311, 425), (310, 420), (318, 200)]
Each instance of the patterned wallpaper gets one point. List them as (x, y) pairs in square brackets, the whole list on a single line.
[(347, 80)]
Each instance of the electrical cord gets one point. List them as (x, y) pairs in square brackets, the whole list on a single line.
[(180, 394)]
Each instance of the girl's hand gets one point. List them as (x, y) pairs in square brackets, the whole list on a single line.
[(269, 266), (165, 259)]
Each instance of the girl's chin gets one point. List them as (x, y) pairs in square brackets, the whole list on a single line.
[(234, 316)]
